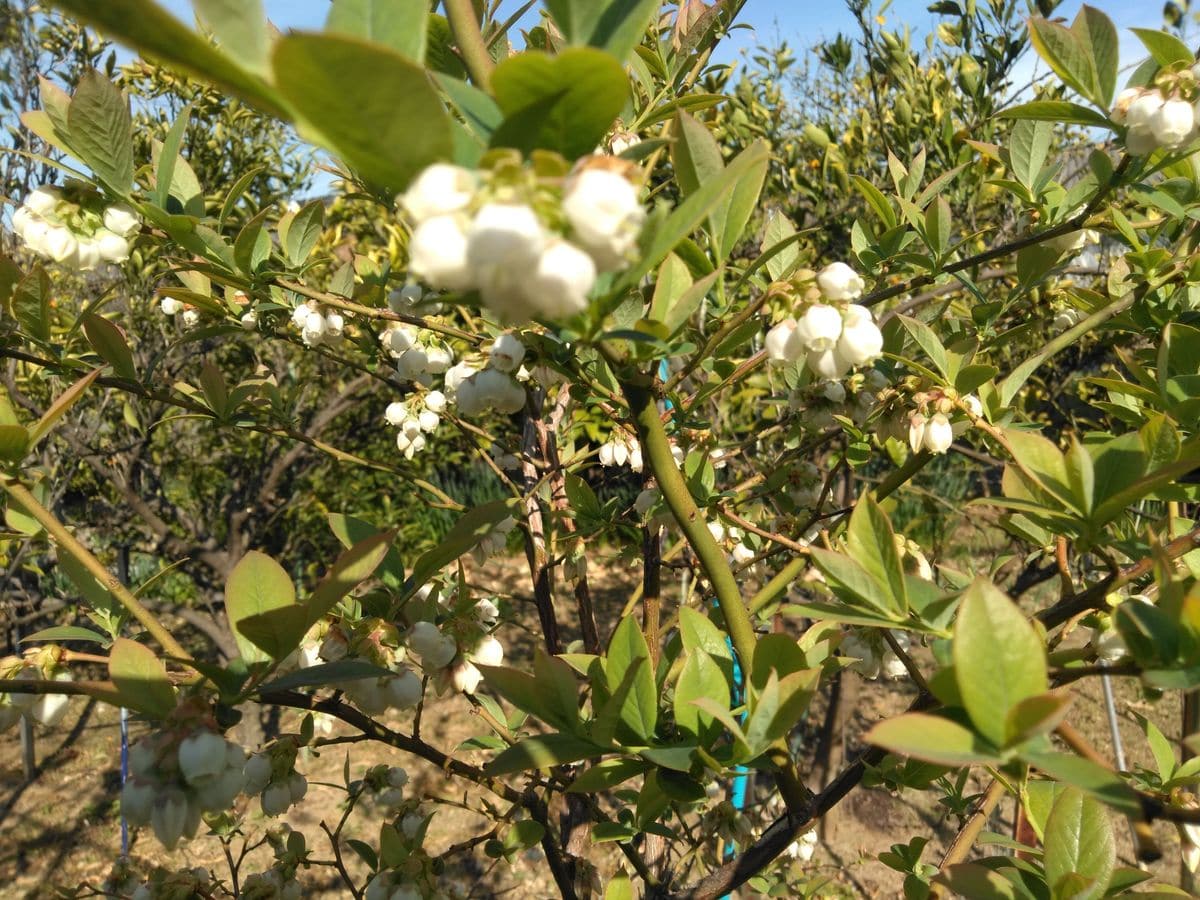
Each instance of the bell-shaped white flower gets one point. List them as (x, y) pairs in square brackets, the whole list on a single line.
[(488, 652), (605, 215), (435, 649), (1142, 109), (1140, 140), (971, 402), (506, 353), (169, 816), (257, 773), (839, 282), (783, 344), (437, 253), (504, 242), (137, 801), (435, 401), (465, 677), (276, 799), (438, 359), (111, 247), (834, 392), (249, 321), (335, 323), (61, 245), (860, 343), (917, 424), (404, 691), (43, 200), (1172, 123), (828, 364), (122, 220), (562, 280), (441, 189), (412, 363), (1121, 105), (939, 434), (201, 756), (428, 420), (819, 328)]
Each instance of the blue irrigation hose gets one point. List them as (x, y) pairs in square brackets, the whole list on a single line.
[(124, 778)]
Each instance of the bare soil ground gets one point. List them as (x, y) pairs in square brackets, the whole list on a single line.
[(62, 828)]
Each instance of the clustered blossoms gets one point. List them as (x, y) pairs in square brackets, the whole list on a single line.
[(45, 709), (317, 326), (1154, 119), (414, 422), (450, 658), (529, 247), (496, 386), (418, 353), (621, 449), (272, 774), (387, 784), (378, 643), (74, 227), (833, 336), (873, 657), (854, 398), (175, 778), (732, 540), (930, 426)]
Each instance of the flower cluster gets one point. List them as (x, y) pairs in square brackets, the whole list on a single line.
[(451, 665), (494, 542), (1155, 120), (387, 784), (496, 386), (174, 779), (415, 422), (528, 247), (45, 709), (854, 398), (621, 449), (418, 354), (930, 426), (733, 541), (317, 326), (74, 227), (378, 643), (833, 335), (872, 655), (271, 773)]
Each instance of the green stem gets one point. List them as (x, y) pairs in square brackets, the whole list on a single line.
[(465, 27), (67, 543)]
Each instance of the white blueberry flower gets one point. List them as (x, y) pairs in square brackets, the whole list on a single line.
[(562, 280), (971, 402), (276, 798), (43, 200), (506, 352), (783, 343), (249, 321), (121, 220), (403, 300), (917, 424), (435, 401), (861, 341), (412, 363), (488, 652), (1172, 123), (441, 189), (428, 420), (819, 328), (464, 677), (404, 691), (839, 282), (938, 434), (437, 253), (438, 359), (500, 391), (487, 612), (335, 323), (1122, 103), (828, 364), (110, 246), (137, 801), (201, 756), (1142, 109), (605, 215), (834, 391), (60, 244), (257, 773), (504, 242), (169, 816), (190, 317), (435, 649)]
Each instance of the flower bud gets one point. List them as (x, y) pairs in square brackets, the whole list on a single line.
[(428, 420), (395, 413), (916, 431), (397, 777), (297, 786), (838, 282), (834, 392), (435, 401)]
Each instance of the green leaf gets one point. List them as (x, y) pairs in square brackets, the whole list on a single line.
[(541, 752), (1101, 783), (565, 103), (146, 26), (779, 230), (363, 101), (853, 584), (1057, 111), (354, 566), (168, 156), (606, 775), (928, 341), (258, 585), (109, 341), (932, 739), (1079, 840), (252, 246), (304, 232), (240, 27), (60, 406), (1165, 48), (66, 633), (1097, 36), (558, 689), (1160, 747), (979, 882), (350, 531), (326, 675), (871, 542), (1061, 49), (640, 711), (1028, 147), (102, 131), (613, 25), (31, 303), (699, 677), (690, 214), (141, 678), (401, 25), (999, 660), (95, 594)]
